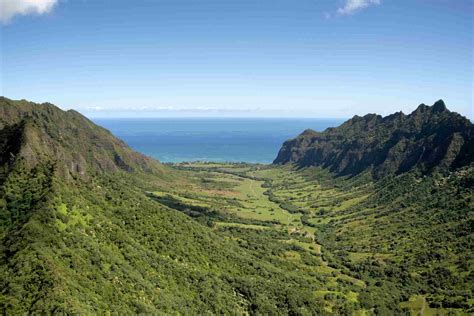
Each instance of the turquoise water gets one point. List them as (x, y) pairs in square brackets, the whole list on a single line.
[(211, 139)]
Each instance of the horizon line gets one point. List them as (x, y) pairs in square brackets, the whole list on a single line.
[(217, 117)]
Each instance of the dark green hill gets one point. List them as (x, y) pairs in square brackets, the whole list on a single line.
[(430, 138)]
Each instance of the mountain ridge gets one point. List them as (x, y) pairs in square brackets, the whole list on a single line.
[(78, 145), (429, 138)]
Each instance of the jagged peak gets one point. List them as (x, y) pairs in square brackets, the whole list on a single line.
[(367, 119), (421, 108), (308, 131), (387, 145), (439, 106), (395, 115)]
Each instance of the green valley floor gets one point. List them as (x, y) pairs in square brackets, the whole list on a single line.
[(368, 243)]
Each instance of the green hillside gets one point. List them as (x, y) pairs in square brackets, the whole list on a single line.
[(90, 239), (384, 247), (87, 226)]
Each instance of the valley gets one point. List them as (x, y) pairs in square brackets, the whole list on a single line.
[(89, 226), (238, 158), (294, 216)]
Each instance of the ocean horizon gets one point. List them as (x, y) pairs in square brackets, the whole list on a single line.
[(174, 140)]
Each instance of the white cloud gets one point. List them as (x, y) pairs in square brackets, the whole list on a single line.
[(10, 8), (352, 6)]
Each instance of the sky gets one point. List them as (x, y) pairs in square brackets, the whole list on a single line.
[(255, 58)]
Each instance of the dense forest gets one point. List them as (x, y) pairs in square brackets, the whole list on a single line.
[(372, 217)]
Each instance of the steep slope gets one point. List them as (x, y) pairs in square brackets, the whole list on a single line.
[(78, 146), (431, 137), (80, 235)]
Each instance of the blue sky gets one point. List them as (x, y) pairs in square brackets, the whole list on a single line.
[(238, 57)]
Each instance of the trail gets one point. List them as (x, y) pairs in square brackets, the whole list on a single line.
[(252, 189), (422, 310)]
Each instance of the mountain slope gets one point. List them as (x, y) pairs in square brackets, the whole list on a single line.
[(392, 201), (80, 235), (431, 137), (78, 146)]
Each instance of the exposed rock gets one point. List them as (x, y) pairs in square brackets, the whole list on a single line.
[(430, 138)]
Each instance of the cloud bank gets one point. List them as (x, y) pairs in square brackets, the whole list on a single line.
[(10, 8), (353, 6)]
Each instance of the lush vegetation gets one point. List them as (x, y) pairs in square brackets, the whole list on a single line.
[(393, 245), (107, 246), (91, 227)]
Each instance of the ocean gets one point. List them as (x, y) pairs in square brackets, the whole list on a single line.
[(255, 140)]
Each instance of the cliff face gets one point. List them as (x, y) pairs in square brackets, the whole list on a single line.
[(431, 137), (34, 132)]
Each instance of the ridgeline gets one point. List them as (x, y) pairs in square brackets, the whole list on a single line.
[(430, 138)]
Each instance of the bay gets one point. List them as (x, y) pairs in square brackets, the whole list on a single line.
[(252, 140)]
